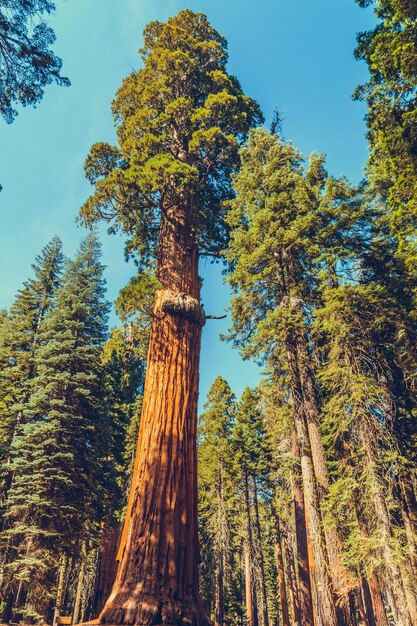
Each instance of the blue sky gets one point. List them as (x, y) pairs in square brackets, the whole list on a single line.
[(295, 55)]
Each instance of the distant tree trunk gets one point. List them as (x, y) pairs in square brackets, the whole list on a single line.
[(60, 588), (251, 599), (260, 557), (304, 608), (292, 576), (332, 540), (367, 604), (76, 614), (323, 582), (281, 573), (219, 603), (107, 566), (219, 610), (157, 579)]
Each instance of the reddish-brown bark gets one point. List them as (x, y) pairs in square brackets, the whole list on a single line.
[(157, 579), (107, 566)]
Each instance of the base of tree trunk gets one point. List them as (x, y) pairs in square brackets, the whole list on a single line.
[(151, 611)]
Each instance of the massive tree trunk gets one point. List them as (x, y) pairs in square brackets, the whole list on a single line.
[(157, 579)]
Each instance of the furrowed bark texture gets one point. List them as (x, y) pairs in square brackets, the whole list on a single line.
[(107, 566), (157, 579)]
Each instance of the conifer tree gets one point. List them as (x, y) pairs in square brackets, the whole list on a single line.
[(27, 63), (365, 318), (282, 212), (59, 455), (216, 494), (390, 52), (251, 452), (179, 120), (18, 339)]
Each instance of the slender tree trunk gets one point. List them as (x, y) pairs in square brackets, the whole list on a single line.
[(76, 614), (323, 583), (221, 539), (219, 610), (292, 576), (157, 579), (281, 573), (304, 609), (251, 597), (60, 588), (332, 539), (260, 557)]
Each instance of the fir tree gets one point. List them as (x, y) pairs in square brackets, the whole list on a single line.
[(216, 497), (19, 336), (59, 453)]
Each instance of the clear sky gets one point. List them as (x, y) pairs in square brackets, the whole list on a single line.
[(294, 55)]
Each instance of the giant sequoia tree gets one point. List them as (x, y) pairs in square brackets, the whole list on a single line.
[(180, 120)]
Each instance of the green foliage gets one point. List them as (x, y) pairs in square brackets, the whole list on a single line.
[(27, 64), (19, 334), (59, 457), (179, 121), (390, 51)]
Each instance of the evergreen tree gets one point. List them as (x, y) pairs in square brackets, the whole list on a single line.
[(217, 499), (59, 456), (180, 120), (390, 52), (283, 212), (18, 339), (367, 325), (27, 64)]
